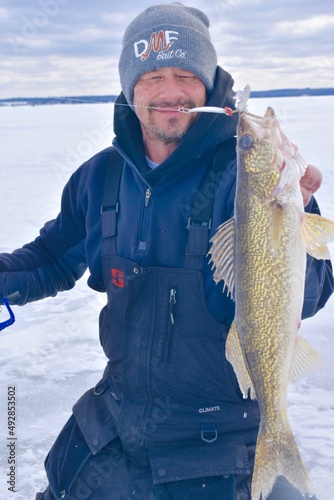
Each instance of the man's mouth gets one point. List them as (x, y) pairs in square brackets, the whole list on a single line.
[(171, 108)]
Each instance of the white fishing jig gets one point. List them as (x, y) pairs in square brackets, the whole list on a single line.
[(208, 109)]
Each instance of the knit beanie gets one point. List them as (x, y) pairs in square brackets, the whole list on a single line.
[(167, 35)]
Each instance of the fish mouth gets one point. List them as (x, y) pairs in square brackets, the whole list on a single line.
[(270, 150), (268, 121)]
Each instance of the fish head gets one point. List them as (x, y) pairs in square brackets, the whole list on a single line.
[(266, 156)]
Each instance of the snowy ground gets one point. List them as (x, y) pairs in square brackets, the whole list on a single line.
[(52, 353)]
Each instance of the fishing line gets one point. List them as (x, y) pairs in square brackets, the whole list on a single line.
[(241, 98), (181, 109)]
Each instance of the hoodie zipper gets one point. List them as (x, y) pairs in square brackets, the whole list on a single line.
[(145, 219)]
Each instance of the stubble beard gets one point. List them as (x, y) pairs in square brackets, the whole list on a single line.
[(175, 135), (172, 133)]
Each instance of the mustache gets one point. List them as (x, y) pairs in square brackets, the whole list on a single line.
[(186, 103)]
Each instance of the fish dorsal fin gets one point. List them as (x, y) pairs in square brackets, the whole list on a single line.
[(306, 360), (316, 232), (222, 255)]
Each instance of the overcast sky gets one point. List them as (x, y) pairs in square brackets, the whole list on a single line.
[(71, 47)]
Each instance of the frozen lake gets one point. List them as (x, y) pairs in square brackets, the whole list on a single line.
[(52, 353)]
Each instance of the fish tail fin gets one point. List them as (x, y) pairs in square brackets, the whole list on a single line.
[(275, 457)]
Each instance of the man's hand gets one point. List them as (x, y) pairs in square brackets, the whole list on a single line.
[(310, 183)]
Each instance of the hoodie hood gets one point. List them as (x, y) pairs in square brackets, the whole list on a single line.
[(209, 130)]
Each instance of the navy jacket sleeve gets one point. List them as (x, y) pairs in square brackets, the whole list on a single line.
[(51, 263), (319, 284)]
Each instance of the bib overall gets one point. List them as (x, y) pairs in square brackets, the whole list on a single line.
[(168, 404)]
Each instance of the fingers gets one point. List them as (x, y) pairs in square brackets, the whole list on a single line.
[(310, 183)]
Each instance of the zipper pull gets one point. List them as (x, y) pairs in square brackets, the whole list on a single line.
[(147, 197), (172, 301)]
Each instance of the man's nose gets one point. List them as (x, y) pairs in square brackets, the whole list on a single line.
[(172, 89)]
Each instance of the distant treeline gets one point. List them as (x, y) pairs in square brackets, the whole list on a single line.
[(41, 101), (291, 92), (93, 99)]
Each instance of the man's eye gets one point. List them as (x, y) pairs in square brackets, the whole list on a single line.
[(148, 78), (187, 78), (153, 79)]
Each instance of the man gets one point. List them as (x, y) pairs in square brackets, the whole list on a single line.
[(167, 419)]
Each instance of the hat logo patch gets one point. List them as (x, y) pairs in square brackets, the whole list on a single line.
[(159, 43)]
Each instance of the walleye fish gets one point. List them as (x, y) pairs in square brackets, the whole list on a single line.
[(261, 255)]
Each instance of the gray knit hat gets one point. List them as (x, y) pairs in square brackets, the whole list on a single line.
[(169, 34)]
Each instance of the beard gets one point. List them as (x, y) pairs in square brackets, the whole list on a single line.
[(172, 131), (175, 135)]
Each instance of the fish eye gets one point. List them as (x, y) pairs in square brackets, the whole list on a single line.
[(245, 141)]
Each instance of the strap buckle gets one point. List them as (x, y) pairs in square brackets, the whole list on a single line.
[(204, 223), (110, 208)]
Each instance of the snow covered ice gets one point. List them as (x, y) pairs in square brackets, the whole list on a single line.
[(52, 353)]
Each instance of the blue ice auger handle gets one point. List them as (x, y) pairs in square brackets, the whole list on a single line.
[(11, 318)]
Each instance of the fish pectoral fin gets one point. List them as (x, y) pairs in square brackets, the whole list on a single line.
[(235, 356), (316, 232), (222, 255), (306, 360)]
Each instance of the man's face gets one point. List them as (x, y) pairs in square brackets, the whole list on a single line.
[(167, 88)]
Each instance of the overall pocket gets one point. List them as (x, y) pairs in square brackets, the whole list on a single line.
[(187, 352), (94, 417), (193, 459)]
